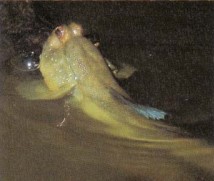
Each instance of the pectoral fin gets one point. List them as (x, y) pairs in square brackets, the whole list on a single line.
[(37, 90), (125, 71)]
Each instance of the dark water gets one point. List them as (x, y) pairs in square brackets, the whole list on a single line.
[(170, 44)]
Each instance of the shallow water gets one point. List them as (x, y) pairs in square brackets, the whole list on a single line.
[(35, 148)]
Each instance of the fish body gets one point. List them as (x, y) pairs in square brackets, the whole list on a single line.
[(73, 67)]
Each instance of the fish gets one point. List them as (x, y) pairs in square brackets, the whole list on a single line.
[(73, 69)]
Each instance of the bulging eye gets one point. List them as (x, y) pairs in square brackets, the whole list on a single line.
[(76, 29), (59, 31)]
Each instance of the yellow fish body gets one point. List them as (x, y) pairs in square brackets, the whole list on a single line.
[(72, 66)]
